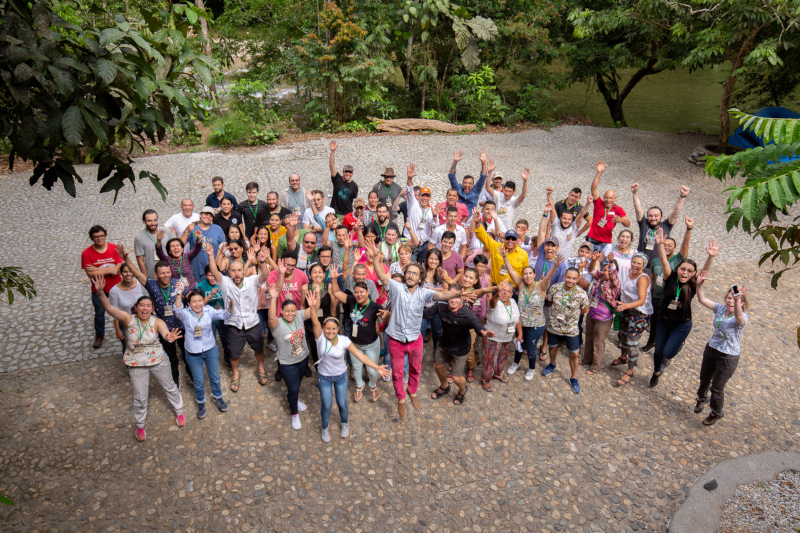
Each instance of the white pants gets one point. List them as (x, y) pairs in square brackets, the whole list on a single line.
[(140, 379)]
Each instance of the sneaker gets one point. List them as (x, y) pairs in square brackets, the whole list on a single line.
[(345, 431), (301, 406), (711, 419), (272, 346), (405, 377), (201, 410), (221, 404), (98, 341), (296, 422), (698, 407), (529, 374), (513, 368), (654, 379), (326, 435), (388, 378), (278, 375), (649, 346), (575, 387), (140, 434), (181, 421), (549, 369)]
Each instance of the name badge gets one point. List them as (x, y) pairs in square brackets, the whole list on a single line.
[(168, 311), (503, 271), (421, 224), (198, 331), (660, 281), (601, 223), (319, 312), (648, 246), (673, 305), (560, 318), (355, 330), (511, 328), (594, 304), (297, 209)]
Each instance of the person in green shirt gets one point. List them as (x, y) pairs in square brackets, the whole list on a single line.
[(292, 232), (657, 277)]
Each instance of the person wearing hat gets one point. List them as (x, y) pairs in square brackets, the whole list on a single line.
[(345, 190), (496, 183), (388, 191), (420, 214), (505, 200), (545, 260), (516, 255), (211, 234), (354, 216), (468, 191)]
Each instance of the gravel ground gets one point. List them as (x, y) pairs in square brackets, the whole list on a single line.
[(764, 507)]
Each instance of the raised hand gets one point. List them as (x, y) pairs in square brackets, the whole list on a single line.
[(660, 236), (548, 207), (121, 250), (334, 146), (309, 196), (312, 300), (458, 155), (251, 255), (282, 267), (490, 166), (713, 248), (99, 283), (502, 251), (293, 219), (476, 214), (435, 210), (689, 222), (635, 188), (549, 191), (601, 166), (589, 199), (262, 255), (210, 251), (557, 261), (173, 335), (190, 227), (611, 256), (407, 225), (582, 264), (274, 291), (596, 255), (742, 292), (159, 235), (684, 190), (701, 277), (197, 235), (335, 272), (525, 174), (358, 254), (410, 171), (484, 155)]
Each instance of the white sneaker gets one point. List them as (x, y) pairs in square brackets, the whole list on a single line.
[(301, 406), (296, 422), (529, 374), (513, 368), (272, 346), (326, 436), (345, 431)]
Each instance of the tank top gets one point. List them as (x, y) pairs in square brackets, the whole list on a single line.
[(630, 293), (531, 308), (144, 348)]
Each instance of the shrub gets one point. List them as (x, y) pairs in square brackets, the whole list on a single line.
[(231, 129)]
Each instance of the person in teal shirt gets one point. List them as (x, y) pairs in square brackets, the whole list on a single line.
[(212, 296)]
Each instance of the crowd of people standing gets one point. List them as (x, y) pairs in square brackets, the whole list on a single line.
[(356, 288)]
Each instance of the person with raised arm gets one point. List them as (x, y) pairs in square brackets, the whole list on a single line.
[(144, 354), (721, 354), (604, 293), (314, 216), (572, 205), (468, 191), (607, 213), (517, 257), (505, 200), (503, 321), (564, 227), (409, 301), (420, 215), (653, 220), (636, 306), (180, 263), (451, 225), (345, 190)]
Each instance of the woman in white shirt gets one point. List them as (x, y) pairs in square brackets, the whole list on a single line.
[(636, 306), (502, 318), (622, 252), (332, 367), (123, 296)]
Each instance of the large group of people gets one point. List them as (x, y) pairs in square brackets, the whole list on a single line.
[(358, 287)]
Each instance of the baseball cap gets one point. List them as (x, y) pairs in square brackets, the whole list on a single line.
[(425, 190), (497, 175), (347, 168), (358, 202), (552, 240), (511, 233), (207, 209)]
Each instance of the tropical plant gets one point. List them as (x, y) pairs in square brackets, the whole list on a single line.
[(12, 280), (760, 205)]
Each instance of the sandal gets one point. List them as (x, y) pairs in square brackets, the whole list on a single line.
[(543, 356), (440, 392), (470, 376), (459, 399), (374, 394), (501, 379), (262, 378), (619, 361), (591, 372), (487, 388), (359, 392), (621, 382), (235, 385), (449, 378)]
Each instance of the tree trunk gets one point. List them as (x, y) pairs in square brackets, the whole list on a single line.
[(409, 46), (614, 102), (727, 92), (204, 32)]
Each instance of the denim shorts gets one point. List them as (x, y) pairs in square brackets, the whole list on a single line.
[(573, 343)]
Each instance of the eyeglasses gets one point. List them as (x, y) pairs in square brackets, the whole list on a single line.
[(93, 237), (511, 238), (309, 242), (412, 273)]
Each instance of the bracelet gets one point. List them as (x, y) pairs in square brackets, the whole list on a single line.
[(682, 195), (688, 228), (545, 215)]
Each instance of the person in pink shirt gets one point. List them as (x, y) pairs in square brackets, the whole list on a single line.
[(292, 281), (451, 201)]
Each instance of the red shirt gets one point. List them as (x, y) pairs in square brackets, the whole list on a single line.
[(463, 212), (292, 290), (603, 234), (349, 222), (92, 258)]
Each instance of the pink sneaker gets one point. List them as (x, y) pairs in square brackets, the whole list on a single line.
[(181, 421), (140, 434)]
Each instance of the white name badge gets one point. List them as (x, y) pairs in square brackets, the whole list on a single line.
[(297, 209), (660, 281), (594, 304), (511, 328), (648, 246), (560, 318), (198, 332), (503, 271), (421, 224), (168, 311), (355, 330), (601, 223), (673, 305)]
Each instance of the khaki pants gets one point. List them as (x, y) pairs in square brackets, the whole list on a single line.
[(140, 379), (472, 356), (595, 341)]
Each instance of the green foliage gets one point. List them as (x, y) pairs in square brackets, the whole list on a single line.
[(433, 114), (476, 98), (761, 204), (249, 97), (12, 280), (186, 137), (532, 104), (263, 136), (72, 93), (231, 129), (357, 126)]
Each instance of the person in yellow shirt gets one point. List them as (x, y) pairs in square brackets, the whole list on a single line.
[(516, 255)]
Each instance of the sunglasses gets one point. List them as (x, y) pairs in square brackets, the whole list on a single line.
[(511, 238), (309, 242)]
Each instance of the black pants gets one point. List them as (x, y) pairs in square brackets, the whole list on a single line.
[(715, 371), (312, 346), (654, 321), (222, 329), (171, 349), (292, 376)]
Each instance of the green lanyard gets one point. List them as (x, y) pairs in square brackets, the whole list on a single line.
[(720, 319), (385, 229), (165, 294), (510, 311), (678, 293), (528, 296), (178, 266), (328, 347), (545, 267), (321, 290), (198, 317), (391, 252), (142, 327), (295, 195), (569, 300), (149, 237), (388, 191), (361, 313), (294, 322), (251, 209)]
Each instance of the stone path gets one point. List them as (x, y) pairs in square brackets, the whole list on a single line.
[(528, 457)]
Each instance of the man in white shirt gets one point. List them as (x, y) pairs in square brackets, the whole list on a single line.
[(505, 200), (179, 222), (314, 217), (494, 225), (451, 225), (565, 229), (243, 326), (420, 214), (496, 185), (294, 196)]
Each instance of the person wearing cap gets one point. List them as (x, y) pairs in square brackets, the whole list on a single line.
[(388, 191), (451, 201), (357, 214), (345, 190), (516, 255), (294, 197), (497, 185), (545, 260), (468, 191), (607, 213), (505, 200), (420, 215), (213, 200), (564, 227), (211, 234)]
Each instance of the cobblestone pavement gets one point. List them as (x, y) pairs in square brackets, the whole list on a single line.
[(531, 456)]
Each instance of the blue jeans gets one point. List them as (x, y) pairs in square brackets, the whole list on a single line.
[(670, 337), (99, 315), (195, 362), (292, 376), (326, 385), (372, 351), (530, 338), (436, 327), (597, 246)]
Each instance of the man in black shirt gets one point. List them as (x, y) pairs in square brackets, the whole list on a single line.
[(455, 344), (382, 223), (571, 204), (254, 213), (274, 207), (345, 190)]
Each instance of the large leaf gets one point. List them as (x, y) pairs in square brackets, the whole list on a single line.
[(73, 125), (106, 71), (483, 28), (97, 126)]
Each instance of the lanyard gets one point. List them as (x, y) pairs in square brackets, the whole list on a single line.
[(720, 319), (510, 311), (294, 322), (178, 266), (165, 294), (198, 317), (384, 229), (388, 191), (528, 296), (677, 293), (321, 289), (251, 209), (569, 300), (425, 213), (295, 196), (149, 237), (141, 329), (328, 347), (545, 267), (359, 314)]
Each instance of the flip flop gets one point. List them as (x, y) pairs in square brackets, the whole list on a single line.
[(262, 378), (487, 388), (619, 361), (235, 385)]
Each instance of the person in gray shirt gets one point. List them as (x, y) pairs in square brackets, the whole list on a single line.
[(144, 245), (409, 301)]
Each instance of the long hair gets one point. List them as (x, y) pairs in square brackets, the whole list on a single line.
[(686, 296), (437, 279)]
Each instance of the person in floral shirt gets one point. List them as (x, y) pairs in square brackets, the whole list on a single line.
[(568, 303), (604, 293)]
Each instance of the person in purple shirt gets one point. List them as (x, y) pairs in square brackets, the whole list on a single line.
[(468, 191)]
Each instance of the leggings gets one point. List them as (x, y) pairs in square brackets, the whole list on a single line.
[(292, 376)]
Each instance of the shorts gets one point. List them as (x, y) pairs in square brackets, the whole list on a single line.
[(443, 357), (237, 338), (573, 343)]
